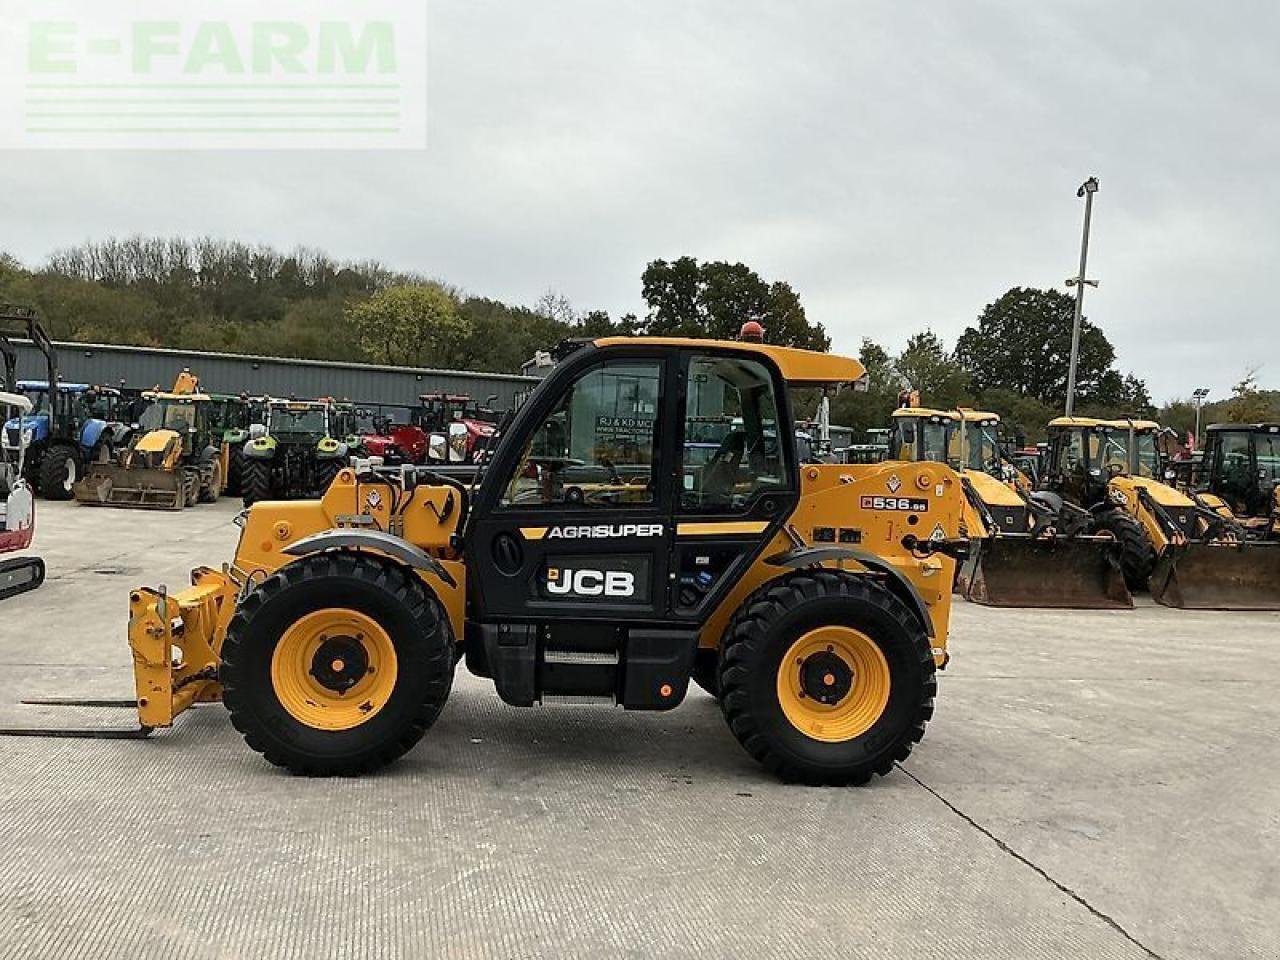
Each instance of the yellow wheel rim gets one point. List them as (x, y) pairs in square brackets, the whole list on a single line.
[(334, 669), (833, 684)]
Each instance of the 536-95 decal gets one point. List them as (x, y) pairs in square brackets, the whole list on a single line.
[(903, 504)]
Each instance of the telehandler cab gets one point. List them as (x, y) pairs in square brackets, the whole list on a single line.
[(819, 594)]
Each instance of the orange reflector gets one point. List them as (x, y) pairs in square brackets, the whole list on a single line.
[(665, 690)]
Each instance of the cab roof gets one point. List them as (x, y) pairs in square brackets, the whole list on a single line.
[(1244, 427), (969, 415), (799, 367), (1092, 422), (181, 397), (44, 385), (922, 413)]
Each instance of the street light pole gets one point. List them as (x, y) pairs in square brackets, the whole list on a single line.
[(1198, 395), (1087, 190)]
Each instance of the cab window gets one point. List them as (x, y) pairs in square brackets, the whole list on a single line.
[(1236, 466), (1072, 446), (597, 447), (751, 456)]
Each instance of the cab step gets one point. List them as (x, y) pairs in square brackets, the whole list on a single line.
[(578, 700), (593, 658)]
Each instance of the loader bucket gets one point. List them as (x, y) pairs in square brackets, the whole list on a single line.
[(1076, 573), (111, 485), (1219, 576)]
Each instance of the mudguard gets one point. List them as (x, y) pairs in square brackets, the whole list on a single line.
[(330, 449), (260, 448), (91, 432), (393, 546), (806, 556)]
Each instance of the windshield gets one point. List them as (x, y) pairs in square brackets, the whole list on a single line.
[(917, 439), (39, 399), (177, 415), (1109, 450), (984, 452), (311, 421), (1148, 456)]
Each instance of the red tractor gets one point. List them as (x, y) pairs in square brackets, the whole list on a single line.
[(459, 429), (386, 431)]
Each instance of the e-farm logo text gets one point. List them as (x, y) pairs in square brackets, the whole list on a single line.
[(225, 74)]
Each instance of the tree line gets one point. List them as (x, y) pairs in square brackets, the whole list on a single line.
[(217, 295)]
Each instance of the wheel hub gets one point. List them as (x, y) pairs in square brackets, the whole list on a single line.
[(339, 663), (833, 683), (826, 677)]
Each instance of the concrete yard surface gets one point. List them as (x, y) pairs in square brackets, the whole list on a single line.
[(1093, 784)]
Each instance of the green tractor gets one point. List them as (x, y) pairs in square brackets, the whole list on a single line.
[(292, 453)]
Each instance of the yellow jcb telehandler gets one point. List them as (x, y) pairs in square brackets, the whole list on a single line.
[(813, 599), (1027, 550), (1189, 553)]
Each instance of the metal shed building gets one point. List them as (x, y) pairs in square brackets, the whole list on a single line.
[(144, 367)]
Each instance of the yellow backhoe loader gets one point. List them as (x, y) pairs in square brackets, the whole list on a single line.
[(177, 459), (1189, 553), (1028, 550), (813, 600)]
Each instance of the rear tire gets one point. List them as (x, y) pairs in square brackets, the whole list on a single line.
[(346, 584), (1137, 555), (255, 480), (59, 470), (888, 685)]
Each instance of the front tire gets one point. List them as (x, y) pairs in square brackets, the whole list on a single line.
[(1137, 555), (59, 470), (827, 678), (337, 664), (235, 464), (211, 482)]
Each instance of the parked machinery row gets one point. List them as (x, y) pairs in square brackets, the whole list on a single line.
[(169, 449), (1104, 513)]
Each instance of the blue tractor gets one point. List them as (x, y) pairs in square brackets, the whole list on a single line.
[(67, 428)]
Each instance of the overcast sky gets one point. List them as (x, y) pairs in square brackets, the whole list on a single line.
[(899, 163)]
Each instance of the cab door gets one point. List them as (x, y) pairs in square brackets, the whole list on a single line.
[(574, 519)]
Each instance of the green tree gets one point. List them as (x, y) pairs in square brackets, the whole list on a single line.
[(927, 367), (411, 326), (1022, 343), (869, 409), (715, 299), (1248, 404), (1022, 418)]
